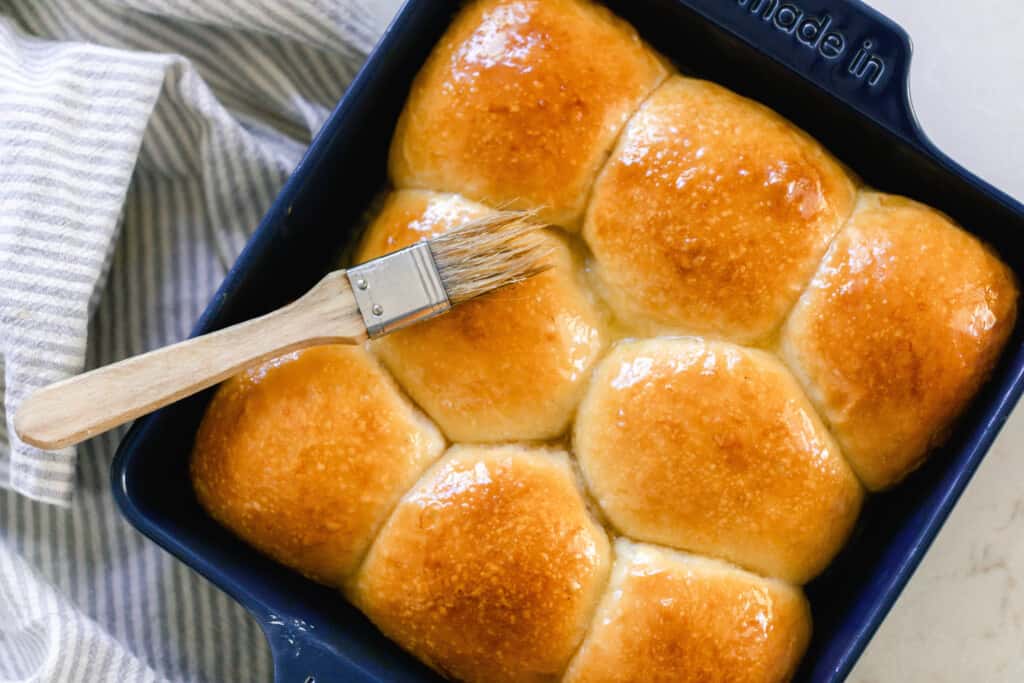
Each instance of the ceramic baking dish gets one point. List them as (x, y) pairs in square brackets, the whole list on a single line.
[(836, 68)]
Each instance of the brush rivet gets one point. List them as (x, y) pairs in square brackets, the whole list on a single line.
[(362, 284), (377, 309)]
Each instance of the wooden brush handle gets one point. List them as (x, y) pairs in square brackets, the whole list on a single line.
[(80, 407)]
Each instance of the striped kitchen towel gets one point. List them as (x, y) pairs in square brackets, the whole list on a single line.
[(140, 143)]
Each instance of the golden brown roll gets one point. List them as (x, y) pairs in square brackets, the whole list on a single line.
[(509, 366), (490, 569), (673, 618), (408, 216), (520, 103), (713, 448), (304, 457), (897, 331), (712, 214)]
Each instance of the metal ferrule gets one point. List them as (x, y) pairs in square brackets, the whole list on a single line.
[(398, 290)]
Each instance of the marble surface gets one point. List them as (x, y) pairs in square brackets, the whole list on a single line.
[(961, 618)]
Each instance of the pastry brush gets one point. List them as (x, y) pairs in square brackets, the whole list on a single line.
[(346, 307)]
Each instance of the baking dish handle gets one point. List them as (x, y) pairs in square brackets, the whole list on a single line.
[(845, 47)]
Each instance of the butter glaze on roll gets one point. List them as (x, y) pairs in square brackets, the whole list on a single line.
[(898, 330), (490, 569), (509, 366), (673, 618), (712, 448), (304, 457), (712, 215), (520, 103)]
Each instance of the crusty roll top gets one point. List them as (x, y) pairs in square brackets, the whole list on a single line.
[(520, 103), (712, 214), (674, 618), (508, 366), (902, 323), (490, 569), (713, 448), (305, 456)]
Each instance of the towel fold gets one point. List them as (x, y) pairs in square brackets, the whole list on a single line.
[(141, 141)]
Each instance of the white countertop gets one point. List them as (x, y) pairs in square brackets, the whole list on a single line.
[(961, 618)]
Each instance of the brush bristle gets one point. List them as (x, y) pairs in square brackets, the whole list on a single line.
[(490, 253)]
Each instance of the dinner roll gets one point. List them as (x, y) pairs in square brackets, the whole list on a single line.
[(712, 215), (508, 366), (713, 448), (408, 216), (674, 618), (520, 103), (490, 569), (899, 328), (304, 457)]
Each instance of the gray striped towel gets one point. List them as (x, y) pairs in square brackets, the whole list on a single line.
[(140, 143)]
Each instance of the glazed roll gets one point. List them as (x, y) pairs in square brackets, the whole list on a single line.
[(490, 569), (304, 457), (667, 617), (520, 103), (714, 449), (507, 367), (898, 330), (712, 215)]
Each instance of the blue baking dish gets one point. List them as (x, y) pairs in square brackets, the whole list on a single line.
[(835, 67)]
